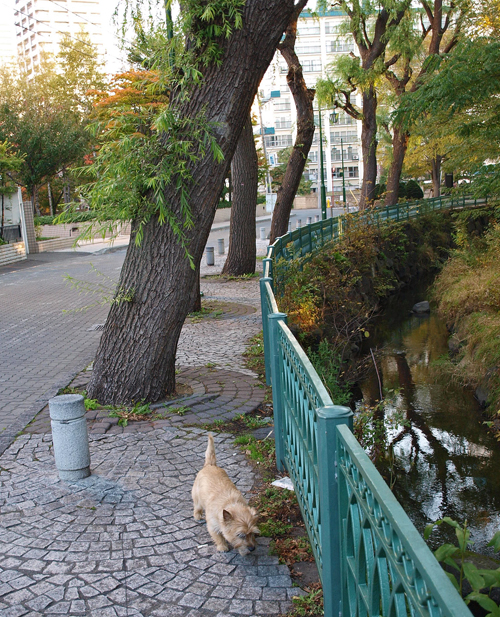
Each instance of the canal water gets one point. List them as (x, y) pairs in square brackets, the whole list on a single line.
[(445, 463)]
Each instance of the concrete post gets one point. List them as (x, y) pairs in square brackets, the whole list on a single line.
[(70, 436), (262, 233), (210, 256), (316, 218), (30, 242), (299, 223), (220, 246), (289, 227), (309, 220)]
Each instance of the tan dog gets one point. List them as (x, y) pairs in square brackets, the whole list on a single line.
[(229, 517)]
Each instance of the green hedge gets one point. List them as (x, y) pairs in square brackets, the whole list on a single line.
[(75, 217)]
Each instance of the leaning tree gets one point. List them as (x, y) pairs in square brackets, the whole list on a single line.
[(175, 185)]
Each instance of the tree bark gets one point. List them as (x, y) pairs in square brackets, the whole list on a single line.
[(136, 355), (369, 147), (303, 98), (244, 173), (399, 146), (51, 203), (436, 175)]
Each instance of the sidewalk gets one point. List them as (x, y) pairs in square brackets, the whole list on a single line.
[(124, 542)]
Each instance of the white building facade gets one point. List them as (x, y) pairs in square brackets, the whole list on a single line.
[(40, 25), (318, 44)]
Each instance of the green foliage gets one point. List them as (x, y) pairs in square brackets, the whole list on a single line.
[(72, 217), (413, 190), (278, 173), (455, 557), (463, 88), (328, 364), (140, 411), (207, 22), (310, 605), (179, 410)]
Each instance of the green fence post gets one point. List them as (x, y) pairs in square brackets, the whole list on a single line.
[(265, 326), (277, 384), (328, 419)]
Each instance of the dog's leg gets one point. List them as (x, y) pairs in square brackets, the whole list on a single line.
[(198, 513), (218, 538)]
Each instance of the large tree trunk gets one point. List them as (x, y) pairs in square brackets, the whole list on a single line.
[(399, 146), (244, 173), (369, 147), (303, 98), (436, 175), (136, 356)]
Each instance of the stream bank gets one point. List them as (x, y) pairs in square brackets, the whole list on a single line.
[(443, 460), (438, 454)]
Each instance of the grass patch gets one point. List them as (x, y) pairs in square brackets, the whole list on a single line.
[(254, 355), (468, 295), (310, 605)]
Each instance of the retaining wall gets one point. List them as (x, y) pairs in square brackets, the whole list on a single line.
[(10, 253)]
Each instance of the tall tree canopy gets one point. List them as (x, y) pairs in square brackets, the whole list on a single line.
[(373, 25)]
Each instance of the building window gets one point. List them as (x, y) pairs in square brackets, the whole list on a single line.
[(342, 118), (350, 154), (308, 49), (283, 123), (331, 28), (283, 104), (339, 46), (313, 156), (278, 141), (308, 30), (311, 66), (352, 172), (347, 137)]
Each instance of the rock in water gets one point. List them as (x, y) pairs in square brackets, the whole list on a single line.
[(421, 307)]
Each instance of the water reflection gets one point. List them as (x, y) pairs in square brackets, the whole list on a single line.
[(446, 464)]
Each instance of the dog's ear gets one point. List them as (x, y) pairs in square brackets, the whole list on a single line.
[(256, 530), (227, 516), (254, 512)]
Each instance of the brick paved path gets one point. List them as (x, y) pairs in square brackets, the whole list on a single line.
[(122, 542)]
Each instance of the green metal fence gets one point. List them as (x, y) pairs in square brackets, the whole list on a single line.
[(371, 559)]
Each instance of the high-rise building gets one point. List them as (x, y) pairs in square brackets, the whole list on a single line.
[(8, 52), (319, 42), (40, 25)]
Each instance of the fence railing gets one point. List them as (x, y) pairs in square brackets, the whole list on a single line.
[(371, 559)]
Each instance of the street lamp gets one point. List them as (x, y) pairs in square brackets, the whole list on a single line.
[(323, 190), (343, 173)]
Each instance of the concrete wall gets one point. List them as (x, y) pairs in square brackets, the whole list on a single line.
[(10, 253), (305, 202), (55, 244)]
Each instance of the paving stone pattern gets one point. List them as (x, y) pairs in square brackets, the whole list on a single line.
[(124, 541), (45, 343), (216, 395)]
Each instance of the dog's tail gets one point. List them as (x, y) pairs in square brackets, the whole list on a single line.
[(210, 452)]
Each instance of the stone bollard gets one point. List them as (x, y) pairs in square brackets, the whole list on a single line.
[(309, 220), (262, 233), (299, 223), (210, 256), (316, 218), (70, 436), (220, 246), (289, 227)]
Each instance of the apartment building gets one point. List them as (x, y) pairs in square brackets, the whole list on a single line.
[(40, 24), (319, 42)]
